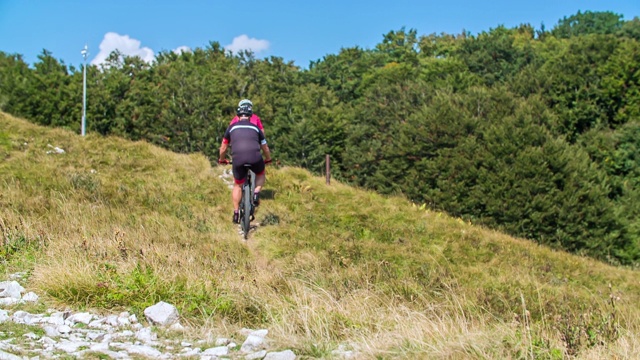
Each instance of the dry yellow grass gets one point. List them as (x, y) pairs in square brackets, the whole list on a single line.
[(114, 224)]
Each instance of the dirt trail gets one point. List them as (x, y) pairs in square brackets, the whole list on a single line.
[(251, 242)]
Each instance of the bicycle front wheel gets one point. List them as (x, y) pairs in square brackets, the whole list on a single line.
[(246, 214)]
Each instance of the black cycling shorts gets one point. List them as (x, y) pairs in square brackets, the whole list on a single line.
[(240, 171)]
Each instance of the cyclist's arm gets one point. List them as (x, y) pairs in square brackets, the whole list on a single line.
[(266, 152), (265, 148), (226, 139), (223, 150)]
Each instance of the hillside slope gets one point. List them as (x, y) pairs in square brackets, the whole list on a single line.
[(110, 224)]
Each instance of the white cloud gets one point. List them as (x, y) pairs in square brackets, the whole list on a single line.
[(123, 43), (243, 42), (181, 49)]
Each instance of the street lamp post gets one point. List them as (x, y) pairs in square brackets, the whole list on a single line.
[(84, 90)]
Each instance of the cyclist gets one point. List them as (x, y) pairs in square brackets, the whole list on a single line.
[(253, 118), (246, 140)]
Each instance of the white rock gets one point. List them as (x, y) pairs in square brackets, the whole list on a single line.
[(21, 317), (253, 343), (56, 150), (260, 333), (216, 351), (75, 336), (111, 354), (18, 275), (146, 335), (142, 350), (257, 355), (106, 339), (99, 347), (95, 335), (161, 314), (64, 329), (281, 355), (4, 316), (127, 333), (98, 323), (47, 341), (7, 356), (51, 331), (32, 319), (124, 321), (245, 331), (31, 336), (30, 297), (119, 355), (71, 346), (10, 289), (84, 318), (56, 318), (222, 341), (8, 301), (112, 320), (176, 327), (186, 352)]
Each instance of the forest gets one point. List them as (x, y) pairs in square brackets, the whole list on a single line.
[(533, 132)]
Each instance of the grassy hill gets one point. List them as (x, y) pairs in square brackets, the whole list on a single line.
[(112, 224)]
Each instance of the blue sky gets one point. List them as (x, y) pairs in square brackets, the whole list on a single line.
[(298, 31)]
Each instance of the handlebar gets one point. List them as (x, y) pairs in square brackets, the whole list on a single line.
[(227, 162)]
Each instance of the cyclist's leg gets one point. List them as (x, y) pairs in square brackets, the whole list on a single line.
[(236, 194), (239, 175), (259, 169), (260, 180)]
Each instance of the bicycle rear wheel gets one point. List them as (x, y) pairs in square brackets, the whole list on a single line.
[(246, 206)]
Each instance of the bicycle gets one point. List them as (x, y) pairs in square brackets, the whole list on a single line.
[(247, 207)]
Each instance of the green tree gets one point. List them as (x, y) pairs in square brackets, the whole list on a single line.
[(51, 96), (631, 29), (400, 47), (343, 73), (573, 82), (588, 22), (621, 83), (15, 82), (498, 54)]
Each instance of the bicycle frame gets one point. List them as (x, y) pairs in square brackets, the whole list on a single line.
[(246, 202)]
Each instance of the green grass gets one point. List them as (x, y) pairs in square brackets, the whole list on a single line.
[(112, 224)]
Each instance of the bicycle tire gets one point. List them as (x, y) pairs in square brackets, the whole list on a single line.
[(246, 205), (253, 181)]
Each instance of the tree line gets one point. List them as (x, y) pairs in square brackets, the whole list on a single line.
[(534, 132)]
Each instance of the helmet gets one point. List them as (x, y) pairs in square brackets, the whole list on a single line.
[(245, 102), (245, 109)]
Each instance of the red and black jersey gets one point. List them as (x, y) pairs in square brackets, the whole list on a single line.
[(244, 137)]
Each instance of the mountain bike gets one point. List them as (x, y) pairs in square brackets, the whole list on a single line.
[(247, 207), (246, 202)]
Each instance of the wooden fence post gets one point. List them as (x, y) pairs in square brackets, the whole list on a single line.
[(328, 170)]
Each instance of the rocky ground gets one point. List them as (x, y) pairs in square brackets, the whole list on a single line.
[(57, 334)]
